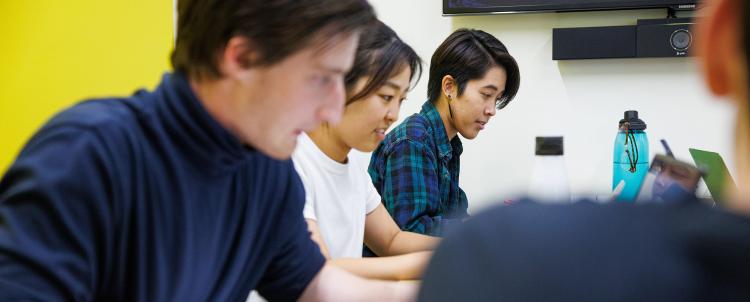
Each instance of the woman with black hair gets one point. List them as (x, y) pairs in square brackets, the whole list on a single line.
[(416, 168), (342, 208)]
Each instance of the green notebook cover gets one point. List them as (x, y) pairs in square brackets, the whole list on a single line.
[(717, 177)]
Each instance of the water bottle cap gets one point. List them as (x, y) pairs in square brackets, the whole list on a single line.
[(631, 116), (549, 145)]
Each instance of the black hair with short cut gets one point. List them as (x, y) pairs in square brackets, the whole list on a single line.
[(466, 55)]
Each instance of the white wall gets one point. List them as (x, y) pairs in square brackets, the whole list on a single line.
[(582, 100)]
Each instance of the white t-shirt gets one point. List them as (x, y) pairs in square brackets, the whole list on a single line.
[(337, 196)]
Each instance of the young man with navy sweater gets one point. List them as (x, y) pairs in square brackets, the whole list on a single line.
[(186, 193)]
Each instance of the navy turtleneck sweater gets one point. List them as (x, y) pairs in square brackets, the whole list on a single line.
[(148, 198)]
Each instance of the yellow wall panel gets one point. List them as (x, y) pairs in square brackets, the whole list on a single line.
[(54, 54)]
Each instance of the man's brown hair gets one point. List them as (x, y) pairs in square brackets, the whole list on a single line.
[(276, 28)]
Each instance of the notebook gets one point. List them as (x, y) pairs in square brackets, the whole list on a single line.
[(717, 177)]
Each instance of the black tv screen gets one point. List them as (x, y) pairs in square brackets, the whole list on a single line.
[(453, 7)]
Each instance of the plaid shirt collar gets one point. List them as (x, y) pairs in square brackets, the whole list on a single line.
[(445, 149)]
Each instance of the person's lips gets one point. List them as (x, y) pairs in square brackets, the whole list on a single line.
[(481, 124), (380, 133)]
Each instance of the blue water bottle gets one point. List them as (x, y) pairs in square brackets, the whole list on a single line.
[(631, 156)]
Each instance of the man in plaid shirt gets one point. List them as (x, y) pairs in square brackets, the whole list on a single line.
[(416, 167)]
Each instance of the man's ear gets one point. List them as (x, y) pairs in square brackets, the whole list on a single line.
[(448, 85), (718, 45), (238, 55)]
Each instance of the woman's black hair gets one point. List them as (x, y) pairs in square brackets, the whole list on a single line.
[(380, 55), (466, 55)]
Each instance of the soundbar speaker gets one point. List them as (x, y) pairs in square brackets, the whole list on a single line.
[(593, 42), (649, 38)]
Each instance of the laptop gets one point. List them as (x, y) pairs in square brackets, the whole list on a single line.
[(717, 177)]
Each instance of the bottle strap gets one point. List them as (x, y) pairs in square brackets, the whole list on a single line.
[(631, 149)]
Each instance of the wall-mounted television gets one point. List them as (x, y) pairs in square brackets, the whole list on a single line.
[(458, 7)]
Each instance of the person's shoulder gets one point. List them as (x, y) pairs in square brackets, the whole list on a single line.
[(599, 245), (357, 168), (415, 127), (414, 130), (577, 226), (707, 228), (91, 122), (561, 217), (586, 224), (102, 115)]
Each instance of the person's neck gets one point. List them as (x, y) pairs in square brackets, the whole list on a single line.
[(445, 116), (741, 197), (331, 144), (210, 94)]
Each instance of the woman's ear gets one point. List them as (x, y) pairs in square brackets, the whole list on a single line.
[(449, 86)]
